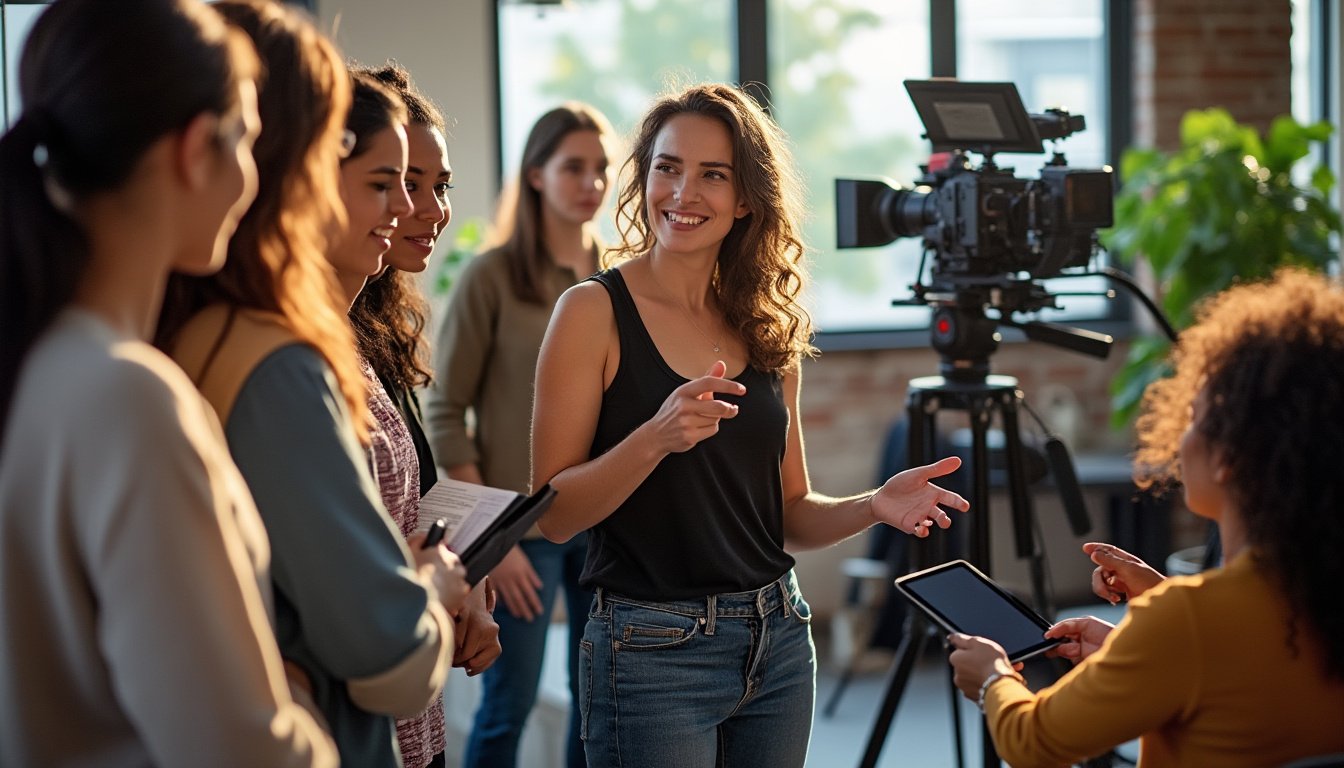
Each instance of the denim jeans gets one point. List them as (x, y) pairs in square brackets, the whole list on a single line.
[(509, 686), (724, 680)]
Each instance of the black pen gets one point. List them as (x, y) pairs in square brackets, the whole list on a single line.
[(435, 534)]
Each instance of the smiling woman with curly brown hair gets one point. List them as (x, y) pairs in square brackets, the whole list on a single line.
[(1243, 665), (667, 419)]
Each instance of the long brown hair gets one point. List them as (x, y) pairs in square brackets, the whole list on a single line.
[(518, 218), (1269, 358), (759, 274), (95, 98), (390, 314), (276, 260)]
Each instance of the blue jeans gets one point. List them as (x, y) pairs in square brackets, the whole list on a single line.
[(724, 680), (509, 686)]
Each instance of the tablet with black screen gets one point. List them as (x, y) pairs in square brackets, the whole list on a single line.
[(960, 598)]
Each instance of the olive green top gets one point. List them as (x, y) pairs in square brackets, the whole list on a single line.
[(485, 361)]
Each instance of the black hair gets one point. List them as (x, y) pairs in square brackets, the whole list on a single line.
[(390, 315), (420, 110), (373, 108), (100, 83)]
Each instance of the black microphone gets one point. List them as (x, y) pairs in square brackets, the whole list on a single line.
[(1066, 480)]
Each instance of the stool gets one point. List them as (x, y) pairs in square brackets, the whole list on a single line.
[(872, 577)]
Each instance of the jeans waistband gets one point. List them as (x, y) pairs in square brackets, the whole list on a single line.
[(753, 602)]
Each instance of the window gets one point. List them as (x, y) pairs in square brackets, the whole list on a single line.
[(834, 72), (1054, 50), (614, 54), (1315, 83), (15, 21)]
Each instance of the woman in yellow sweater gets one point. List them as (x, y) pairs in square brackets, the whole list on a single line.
[(1243, 665)]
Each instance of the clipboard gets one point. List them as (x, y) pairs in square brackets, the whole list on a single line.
[(481, 524)]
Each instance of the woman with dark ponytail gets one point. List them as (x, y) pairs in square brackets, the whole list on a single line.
[(134, 584)]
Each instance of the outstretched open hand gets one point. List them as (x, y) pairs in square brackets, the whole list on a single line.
[(911, 503)]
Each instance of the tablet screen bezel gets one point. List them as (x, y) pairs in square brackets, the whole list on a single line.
[(904, 584)]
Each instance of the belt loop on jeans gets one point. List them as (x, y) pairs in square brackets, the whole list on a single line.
[(711, 610), (598, 596), (784, 597)]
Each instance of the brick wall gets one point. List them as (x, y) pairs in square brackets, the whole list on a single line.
[(850, 399), (1191, 54)]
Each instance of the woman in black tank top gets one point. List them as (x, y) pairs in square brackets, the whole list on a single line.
[(666, 416)]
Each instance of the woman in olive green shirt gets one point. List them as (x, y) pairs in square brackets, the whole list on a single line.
[(485, 362)]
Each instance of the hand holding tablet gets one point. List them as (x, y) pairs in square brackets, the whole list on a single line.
[(959, 598)]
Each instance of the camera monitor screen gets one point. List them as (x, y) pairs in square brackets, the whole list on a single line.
[(960, 598), (980, 117)]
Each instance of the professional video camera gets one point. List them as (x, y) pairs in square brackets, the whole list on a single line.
[(992, 235)]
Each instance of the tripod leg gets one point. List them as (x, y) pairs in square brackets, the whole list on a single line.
[(980, 538), (955, 699), (920, 425), (846, 675), (912, 647), (980, 411), (1020, 500), (921, 414)]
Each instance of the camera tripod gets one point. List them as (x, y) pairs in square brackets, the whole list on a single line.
[(980, 398)]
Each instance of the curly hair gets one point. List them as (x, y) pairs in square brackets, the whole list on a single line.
[(391, 314), (389, 318), (421, 110), (373, 108), (1269, 358), (759, 273)]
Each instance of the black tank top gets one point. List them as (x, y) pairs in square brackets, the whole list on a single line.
[(707, 521)]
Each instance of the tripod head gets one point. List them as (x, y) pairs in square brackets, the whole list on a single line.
[(964, 335)]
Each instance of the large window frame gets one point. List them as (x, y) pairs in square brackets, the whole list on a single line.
[(752, 65)]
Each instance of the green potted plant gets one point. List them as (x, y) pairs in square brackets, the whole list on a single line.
[(1222, 208), (467, 241)]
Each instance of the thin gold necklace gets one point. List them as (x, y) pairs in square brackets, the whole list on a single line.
[(685, 310)]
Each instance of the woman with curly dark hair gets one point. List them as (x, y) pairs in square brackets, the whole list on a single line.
[(1242, 665), (695, 501), (388, 317)]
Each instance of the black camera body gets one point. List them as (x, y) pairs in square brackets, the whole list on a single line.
[(992, 235), (983, 221)]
